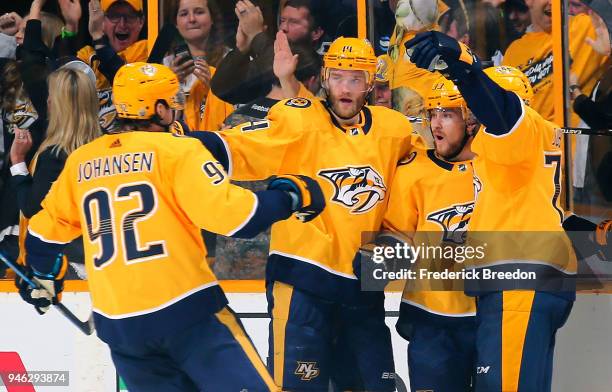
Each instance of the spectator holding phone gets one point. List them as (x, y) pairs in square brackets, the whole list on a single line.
[(199, 22)]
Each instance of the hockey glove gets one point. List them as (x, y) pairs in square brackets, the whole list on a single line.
[(435, 51), (589, 239), (376, 265), (308, 200), (47, 292)]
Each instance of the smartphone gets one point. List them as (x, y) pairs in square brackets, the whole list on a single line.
[(182, 51)]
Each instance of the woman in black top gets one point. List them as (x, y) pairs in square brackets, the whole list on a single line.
[(73, 122)]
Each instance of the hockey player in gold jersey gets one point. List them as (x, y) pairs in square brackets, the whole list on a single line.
[(517, 169), (319, 313), (140, 199), (431, 202)]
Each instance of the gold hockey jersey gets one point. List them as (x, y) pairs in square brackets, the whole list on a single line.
[(430, 203), (355, 167), (517, 213), (140, 200)]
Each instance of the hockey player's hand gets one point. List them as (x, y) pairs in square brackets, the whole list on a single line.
[(308, 199), (368, 270), (589, 239), (48, 290), (379, 262), (432, 50), (373, 273)]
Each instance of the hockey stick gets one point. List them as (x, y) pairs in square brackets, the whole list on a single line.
[(87, 327), (567, 130), (586, 131)]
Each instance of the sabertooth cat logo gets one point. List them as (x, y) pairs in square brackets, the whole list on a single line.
[(359, 188), (453, 220)]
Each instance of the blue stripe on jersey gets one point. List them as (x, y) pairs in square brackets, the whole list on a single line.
[(315, 280), (168, 321), (215, 145), (44, 257), (272, 206), (497, 109)]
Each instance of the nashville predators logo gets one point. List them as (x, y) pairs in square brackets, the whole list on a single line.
[(307, 370), (22, 116), (454, 221), (107, 113), (359, 188)]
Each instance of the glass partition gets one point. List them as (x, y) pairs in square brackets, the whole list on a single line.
[(500, 32)]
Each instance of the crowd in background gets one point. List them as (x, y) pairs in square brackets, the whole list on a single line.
[(235, 60)]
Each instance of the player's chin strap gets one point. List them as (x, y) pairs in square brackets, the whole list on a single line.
[(466, 138)]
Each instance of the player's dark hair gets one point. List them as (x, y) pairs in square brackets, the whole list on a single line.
[(130, 124), (472, 121), (309, 62)]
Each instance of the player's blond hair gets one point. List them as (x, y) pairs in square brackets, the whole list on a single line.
[(73, 111)]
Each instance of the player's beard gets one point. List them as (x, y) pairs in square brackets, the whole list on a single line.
[(454, 149), (346, 113)]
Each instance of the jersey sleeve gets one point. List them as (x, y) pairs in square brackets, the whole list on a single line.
[(58, 221), (258, 149), (54, 226), (519, 144), (203, 190)]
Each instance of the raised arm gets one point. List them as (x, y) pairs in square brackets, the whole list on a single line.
[(498, 109)]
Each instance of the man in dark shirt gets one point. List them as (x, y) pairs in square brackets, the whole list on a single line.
[(239, 77)]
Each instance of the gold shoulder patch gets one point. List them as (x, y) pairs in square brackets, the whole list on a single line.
[(298, 103)]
